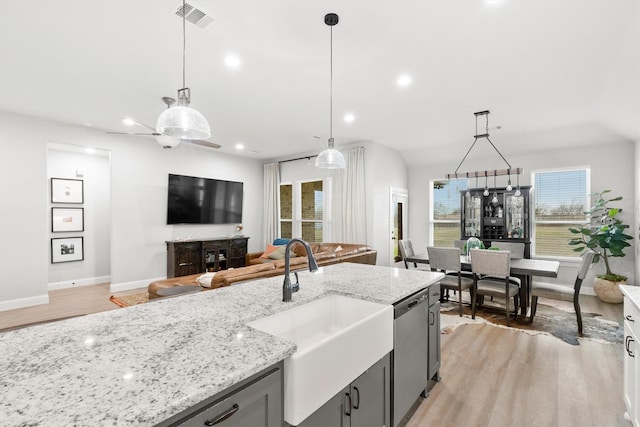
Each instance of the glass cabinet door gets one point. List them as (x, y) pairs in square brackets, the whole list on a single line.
[(472, 214), (516, 216)]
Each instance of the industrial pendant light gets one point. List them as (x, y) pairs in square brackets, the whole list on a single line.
[(330, 158), (182, 121)]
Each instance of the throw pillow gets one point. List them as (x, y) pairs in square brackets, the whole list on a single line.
[(338, 248), (279, 253), (270, 249), (280, 241), (205, 280)]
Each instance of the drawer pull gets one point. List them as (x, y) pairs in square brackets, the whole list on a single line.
[(629, 318), (225, 415), (628, 339)]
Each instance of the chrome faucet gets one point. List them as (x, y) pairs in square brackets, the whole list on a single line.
[(287, 288)]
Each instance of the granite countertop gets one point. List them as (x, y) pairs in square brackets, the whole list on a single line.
[(142, 364), (633, 293)]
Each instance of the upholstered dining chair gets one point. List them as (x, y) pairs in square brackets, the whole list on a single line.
[(564, 293), (448, 260), (491, 277), (459, 243), (515, 248), (406, 250)]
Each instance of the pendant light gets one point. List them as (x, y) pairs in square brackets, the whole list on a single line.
[(330, 158), (182, 121)]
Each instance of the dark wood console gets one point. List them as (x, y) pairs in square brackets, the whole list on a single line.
[(186, 257)]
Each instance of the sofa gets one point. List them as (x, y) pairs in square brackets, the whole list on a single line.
[(258, 266)]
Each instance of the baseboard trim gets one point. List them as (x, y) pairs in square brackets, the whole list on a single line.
[(24, 302), (125, 286), (78, 282)]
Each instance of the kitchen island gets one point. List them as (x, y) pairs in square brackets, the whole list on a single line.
[(144, 364)]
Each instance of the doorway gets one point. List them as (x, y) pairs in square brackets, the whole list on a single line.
[(399, 208)]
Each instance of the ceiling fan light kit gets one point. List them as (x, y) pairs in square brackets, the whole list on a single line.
[(182, 121), (330, 158)]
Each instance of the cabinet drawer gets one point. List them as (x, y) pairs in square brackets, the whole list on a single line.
[(493, 221), (258, 404), (632, 316), (434, 293)]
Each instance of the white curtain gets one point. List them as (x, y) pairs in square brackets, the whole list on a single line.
[(271, 203), (349, 223)]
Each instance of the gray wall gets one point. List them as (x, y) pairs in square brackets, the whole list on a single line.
[(139, 169), (612, 167)]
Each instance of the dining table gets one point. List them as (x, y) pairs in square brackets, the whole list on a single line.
[(524, 268)]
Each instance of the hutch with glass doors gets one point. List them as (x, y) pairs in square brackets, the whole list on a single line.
[(502, 215)]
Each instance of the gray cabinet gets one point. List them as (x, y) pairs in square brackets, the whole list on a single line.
[(254, 402), (365, 402), (434, 335)]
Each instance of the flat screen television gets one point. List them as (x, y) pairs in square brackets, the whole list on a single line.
[(193, 200)]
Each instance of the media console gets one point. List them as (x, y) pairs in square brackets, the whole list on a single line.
[(185, 257)]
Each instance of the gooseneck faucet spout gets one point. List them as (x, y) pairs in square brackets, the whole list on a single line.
[(287, 288)]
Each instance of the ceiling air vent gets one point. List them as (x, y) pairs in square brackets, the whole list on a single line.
[(194, 15)]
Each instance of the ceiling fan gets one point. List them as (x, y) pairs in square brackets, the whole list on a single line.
[(164, 140)]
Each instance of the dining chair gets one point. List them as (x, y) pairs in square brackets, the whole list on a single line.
[(563, 293), (491, 277), (516, 249), (459, 243), (406, 250), (447, 260)]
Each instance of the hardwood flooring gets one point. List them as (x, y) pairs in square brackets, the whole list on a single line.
[(63, 303), (491, 376), (496, 377)]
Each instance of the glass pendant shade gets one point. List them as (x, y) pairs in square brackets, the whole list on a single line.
[(184, 123), (330, 158)]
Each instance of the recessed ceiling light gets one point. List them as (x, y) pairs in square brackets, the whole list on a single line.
[(239, 146), (232, 61), (127, 121), (349, 117), (404, 80)]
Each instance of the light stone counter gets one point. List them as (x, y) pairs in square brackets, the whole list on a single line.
[(142, 364), (633, 293)]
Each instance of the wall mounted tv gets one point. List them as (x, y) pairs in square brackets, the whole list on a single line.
[(194, 200)]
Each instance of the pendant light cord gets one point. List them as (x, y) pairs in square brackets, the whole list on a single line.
[(184, 44), (331, 87)]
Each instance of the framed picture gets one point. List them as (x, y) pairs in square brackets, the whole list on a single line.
[(67, 219), (67, 249), (67, 190)]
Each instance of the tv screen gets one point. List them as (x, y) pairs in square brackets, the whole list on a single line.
[(194, 200)]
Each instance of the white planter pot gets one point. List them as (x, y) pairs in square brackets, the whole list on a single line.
[(608, 291)]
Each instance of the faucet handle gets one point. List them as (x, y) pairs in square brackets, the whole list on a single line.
[(296, 286)]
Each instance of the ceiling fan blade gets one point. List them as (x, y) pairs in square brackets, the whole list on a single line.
[(133, 133), (152, 129), (203, 143)]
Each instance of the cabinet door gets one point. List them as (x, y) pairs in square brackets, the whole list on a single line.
[(434, 339), (370, 397), (332, 413), (631, 362), (259, 404), (188, 259)]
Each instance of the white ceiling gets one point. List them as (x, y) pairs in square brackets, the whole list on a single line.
[(552, 72)]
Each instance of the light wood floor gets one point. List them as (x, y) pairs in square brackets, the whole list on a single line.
[(498, 377), (64, 303), (491, 376)]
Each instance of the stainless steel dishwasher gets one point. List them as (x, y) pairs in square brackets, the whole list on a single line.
[(410, 353)]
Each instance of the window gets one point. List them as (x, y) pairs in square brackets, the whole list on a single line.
[(561, 198), (302, 211), (445, 211)]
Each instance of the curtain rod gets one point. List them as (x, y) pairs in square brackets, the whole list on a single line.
[(306, 157)]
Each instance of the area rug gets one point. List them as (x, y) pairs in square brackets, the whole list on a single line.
[(548, 320), (129, 300)]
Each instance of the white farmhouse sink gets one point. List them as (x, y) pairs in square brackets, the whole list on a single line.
[(338, 338)]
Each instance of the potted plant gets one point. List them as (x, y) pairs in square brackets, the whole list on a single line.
[(605, 235)]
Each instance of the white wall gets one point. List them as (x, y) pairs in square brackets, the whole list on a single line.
[(385, 168), (139, 169), (65, 161), (612, 167)]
